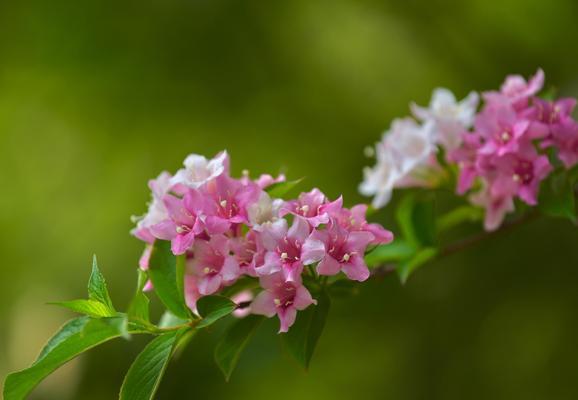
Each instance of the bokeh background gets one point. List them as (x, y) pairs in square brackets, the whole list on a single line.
[(98, 96)]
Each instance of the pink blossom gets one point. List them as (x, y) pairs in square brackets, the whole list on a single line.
[(313, 206), (249, 252), (496, 207), (239, 298), (198, 170), (191, 292), (285, 249), (519, 174), (282, 298), (354, 220), (227, 203), (157, 211), (344, 251), (565, 138), (212, 265), (185, 221), (466, 157), (517, 91)]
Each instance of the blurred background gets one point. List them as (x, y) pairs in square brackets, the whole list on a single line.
[(97, 97)]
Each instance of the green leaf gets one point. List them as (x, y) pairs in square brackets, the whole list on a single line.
[(166, 272), (74, 338), (97, 290), (213, 308), (280, 189), (416, 218), (305, 332), (406, 267), (557, 196), (229, 349), (144, 375), (459, 215), (138, 309), (92, 308), (394, 251), (169, 320)]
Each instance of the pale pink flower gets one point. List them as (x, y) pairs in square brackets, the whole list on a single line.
[(281, 298), (157, 211), (344, 251), (448, 117), (212, 265), (496, 207), (185, 221), (354, 220), (198, 170), (249, 252), (517, 91), (239, 298), (264, 211), (313, 206), (284, 249)]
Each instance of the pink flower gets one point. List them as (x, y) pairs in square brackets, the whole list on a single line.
[(191, 292), (565, 138), (267, 180), (212, 265), (282, 298), (520, 174), (517, 91), (313, 206), (249, 252), (354, 220), (198, 170), (502, 129), (466, 157), (185, 221), (227, 203), (344, 251), (496, 207), (285, 249), (157, 211)]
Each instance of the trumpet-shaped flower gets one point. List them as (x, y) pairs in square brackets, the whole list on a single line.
[(281, 298), (313, 206), (212, 265), (198, 170), (157, 212), (185, 221), (354, 220), (516, 90), (285, 249), (448, 117), (344, 251)]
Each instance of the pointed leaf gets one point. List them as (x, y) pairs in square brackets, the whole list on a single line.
[(395, 251), (144, 376), (213, 308), (233, 343), (416, 218), (166, 272), (138, 310), (97, 289), (91, 308), (280, 189), (302, 337), (74, 338)]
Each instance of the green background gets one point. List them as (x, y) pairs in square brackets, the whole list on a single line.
[(96, 97)]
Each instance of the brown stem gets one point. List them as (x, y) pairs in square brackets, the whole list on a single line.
[(456, 247)]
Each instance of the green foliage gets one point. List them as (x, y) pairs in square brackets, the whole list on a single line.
[(213, 308), (166, 272), (97, 289), (410, 264), (144, 376), (302, 338), (458, 216), (138, 310), (230, 347), (395, 251), (92, 308), (74, 338), (416, 219), (343, 288), (557, 195), (280, 189)]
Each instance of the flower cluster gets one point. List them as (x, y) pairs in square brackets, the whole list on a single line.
[(501, 151), (227, 228)]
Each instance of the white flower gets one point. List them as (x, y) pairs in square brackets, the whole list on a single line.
[(448, 117), (263, 211), (157, 211), (404, 149), (198, 170)]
